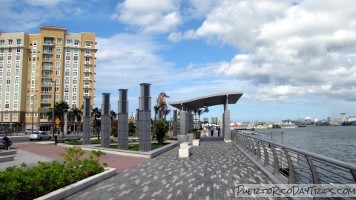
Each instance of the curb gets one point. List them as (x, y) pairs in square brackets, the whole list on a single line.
[(69, 190)]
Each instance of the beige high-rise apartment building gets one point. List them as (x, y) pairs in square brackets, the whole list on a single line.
[(35, 68)]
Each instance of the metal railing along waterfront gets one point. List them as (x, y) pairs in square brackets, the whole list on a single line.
[(298, 166)]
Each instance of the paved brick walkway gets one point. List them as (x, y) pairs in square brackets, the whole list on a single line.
[(212, 172)]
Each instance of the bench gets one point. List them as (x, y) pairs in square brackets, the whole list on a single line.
[(196, 142), (184, 150)]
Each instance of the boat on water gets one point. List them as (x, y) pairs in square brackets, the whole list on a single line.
[(288, 125)]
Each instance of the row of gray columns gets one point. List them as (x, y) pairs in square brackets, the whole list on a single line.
[(143, 125)]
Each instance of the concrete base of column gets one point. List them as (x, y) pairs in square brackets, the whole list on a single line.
[(105, 131), (144, 135), (86, 130), (123, 131)]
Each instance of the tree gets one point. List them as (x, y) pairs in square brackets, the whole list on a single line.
[(113, 123), (156, 108), (96, 113), (132, 129), (75, 116), (59, 109), (160, 129)]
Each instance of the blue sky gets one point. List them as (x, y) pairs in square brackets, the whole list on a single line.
[(291, 59)]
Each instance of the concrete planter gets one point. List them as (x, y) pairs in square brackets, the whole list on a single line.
[(69, 190)]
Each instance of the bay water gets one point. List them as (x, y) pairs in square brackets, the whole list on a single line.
[(338, 142)]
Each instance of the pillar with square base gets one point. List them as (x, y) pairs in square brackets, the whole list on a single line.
[(144, 118), (86, 121), (105, 120), (175, 123), (226, 121), (123, 127)]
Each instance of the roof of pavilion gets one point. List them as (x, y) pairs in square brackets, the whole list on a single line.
[(210, 100)]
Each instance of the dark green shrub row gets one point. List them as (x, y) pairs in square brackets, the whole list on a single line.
[(29, 183)]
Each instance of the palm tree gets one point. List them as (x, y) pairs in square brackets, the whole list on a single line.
[(96, 112), (75, 116), (59, 109), (156, 108), (166, 112)]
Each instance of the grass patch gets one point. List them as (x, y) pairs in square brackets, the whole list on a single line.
[(96, 141), (135, 147)]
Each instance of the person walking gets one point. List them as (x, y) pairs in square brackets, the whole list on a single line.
[(218, 130), (211, 131)]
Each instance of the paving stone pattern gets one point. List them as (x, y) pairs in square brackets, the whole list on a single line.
[(212, 172)]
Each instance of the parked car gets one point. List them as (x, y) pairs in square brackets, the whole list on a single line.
[(39, 135), (29, 131)]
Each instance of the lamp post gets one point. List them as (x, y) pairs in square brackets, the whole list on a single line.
[(54, 94), (32, 111)]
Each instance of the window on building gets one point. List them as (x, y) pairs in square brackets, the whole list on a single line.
[(66, 73), (76, 42), (18, 41), (10, 42), (9, 58), (75, 73), (67, 57), (74, 98), (6, 106), (58, 48), (18, 57), (7, 81), (10, 50), (58, 56), (57, 73), (74, 90), (69, 42), (75, 82), (87, 44), (17, 65), (66, 98), (2, 42), (75, 58), (87, 51), (18, 50), (66, 89), (56, 97), (76, 50), (58, 64), (68, 50), (87, 59), (59, 40), (75, 65)]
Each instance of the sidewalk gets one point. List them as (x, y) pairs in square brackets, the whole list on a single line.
[(33, 152)]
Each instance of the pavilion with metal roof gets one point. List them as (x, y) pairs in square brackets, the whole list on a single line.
[(187, 107)]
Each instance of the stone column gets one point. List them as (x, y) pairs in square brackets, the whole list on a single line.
[(105, 120), (226, 121), (123, 121), (174, 123), (191, 120), (65, 127), (86, 121), (183, 123), (145, 118)]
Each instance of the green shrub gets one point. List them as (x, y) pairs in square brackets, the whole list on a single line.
[(28, 183), (160, 129)]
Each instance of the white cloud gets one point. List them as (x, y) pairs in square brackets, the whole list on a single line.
[(287, 49), (153, 16)]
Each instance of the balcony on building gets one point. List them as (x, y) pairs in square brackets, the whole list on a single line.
[(47, 58), (47, 66), (47, 50), (48, 41), (46, 74)]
